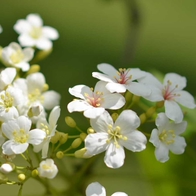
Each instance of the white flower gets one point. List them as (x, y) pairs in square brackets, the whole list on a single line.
[(47, 169), (96, 189), (6, 168), (93, 103), (6, 77), (113, 137), (19, 135), (9, 100), (14, 55), (122, 80), (166, 137), (34, 90), (171, 92), (33, 33), (49, 128)]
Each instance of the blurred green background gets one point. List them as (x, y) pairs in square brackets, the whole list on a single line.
[(151, 35)]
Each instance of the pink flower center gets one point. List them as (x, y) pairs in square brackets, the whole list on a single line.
[(95, 99), (123, 76), (169, 92)]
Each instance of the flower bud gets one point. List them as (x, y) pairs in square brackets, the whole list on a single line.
[(63, 138), (70, 121), (21, 177), (90, 130), (114, 116), (45, 87), (6, 168), (143, 118), (83, 136), (35, 173), (150, 112), (34, 110), (33, 69), (59, 154), (80, 153), (76, 143), (55, 138)]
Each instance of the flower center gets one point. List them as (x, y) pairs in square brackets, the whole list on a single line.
[(7, 101), (36, 32), (169, 92), (17, 56), (20, 136), (167, 136), (35, 96), (95, 99), (45, 128), (123, 76), (115, 135)]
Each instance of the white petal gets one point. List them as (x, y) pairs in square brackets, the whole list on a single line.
[(54, 116), (173, 111), (95, 189), (119, 194), (28, 54), (113, 101), (36, 136), (179, 128), (19, 148), (116, 87), (176, 80), (80, 90), (178, 146), (185, 99), (35, 20), (136, 73), (127, 121), (78, 106), (6, 147), (100, 124), (51, 99), (92, 112), (114, 157), (50, 33), (35, 81), (22, 26), (107, 69), (161, 153), (26, 40), (162, 120), (7, 76), (136, 141), (95, 143), (102, 77), (138, 89), (43, 44), (154, 138), (23, 65), (9, 127), (24, 123)]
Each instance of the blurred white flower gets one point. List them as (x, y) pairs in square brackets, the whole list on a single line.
[(96, 189), (171, 92), (94, 103), (19, 136), (122, 79), (47, 169), (9, 100), (166, 138), (34, 34), (49, 128), (35, 92), (6, 77), (113, 137), (14, 55)]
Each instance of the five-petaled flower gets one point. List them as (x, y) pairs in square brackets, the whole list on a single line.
[(34, 34), (112, 137), (19, 135), (171, 92), (96, 189), (166, 137), (94, 103), (122, 80)]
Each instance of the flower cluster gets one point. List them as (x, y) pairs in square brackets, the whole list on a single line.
[(29, 112)]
